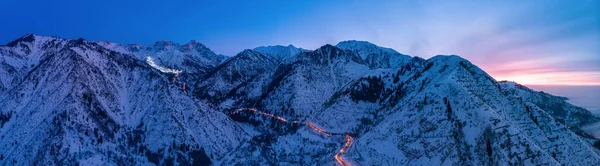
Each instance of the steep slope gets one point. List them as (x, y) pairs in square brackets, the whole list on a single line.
[(12, 67), (306, 83), (300, 91), (443, 110), (68, 102), (564, 112), (90, 105), (294, 91), (375, 56), (22, 55), (454, 113), (192, 57), (280, 53), (233, 78)]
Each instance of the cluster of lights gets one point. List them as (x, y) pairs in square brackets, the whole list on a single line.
[(151, 62)]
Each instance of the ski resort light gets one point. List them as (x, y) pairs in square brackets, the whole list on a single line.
[(150, 62)]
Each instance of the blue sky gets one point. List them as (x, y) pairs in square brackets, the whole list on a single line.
[(532, 42)]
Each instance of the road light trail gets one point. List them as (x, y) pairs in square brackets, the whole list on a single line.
[(337, 157), (262, 113), (317, 129)]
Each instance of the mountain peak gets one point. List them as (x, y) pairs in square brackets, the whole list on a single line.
[(193, 45), (329, 52), (363, 45), (447, 58), (452, 60), (27, 38), (327, 47), (279, 52), (164, 43), (369, 51), (355, 43), (260, 48), (249, 52), (89, 105), (360, 45), (254, 56)]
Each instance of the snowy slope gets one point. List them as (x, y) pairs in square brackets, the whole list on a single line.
[(22, 55), (237, 72), (454, 113), (280, 53), (84, 103), (69, 102), (192, 57), (375, 56), (443, 110), (563, 111)]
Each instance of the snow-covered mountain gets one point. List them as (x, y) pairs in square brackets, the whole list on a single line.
[(192, 57), (81, 102), (375, 56), (239, 71), (279, 52)]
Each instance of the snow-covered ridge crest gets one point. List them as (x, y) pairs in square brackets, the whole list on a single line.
[(104, 103), (280, 53)]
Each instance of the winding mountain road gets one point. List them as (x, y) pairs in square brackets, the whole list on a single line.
[(337, 156)]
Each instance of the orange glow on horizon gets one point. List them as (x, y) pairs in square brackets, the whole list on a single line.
[(541, 71), (550, 78)]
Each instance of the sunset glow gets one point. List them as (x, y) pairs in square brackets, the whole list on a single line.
[(300, 82), (551, 78), (530, 42)]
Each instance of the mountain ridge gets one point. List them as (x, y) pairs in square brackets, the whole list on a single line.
[(75, 101)]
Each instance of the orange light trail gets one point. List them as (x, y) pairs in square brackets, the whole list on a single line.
[(318, 129), (337, 156), (262, 113)]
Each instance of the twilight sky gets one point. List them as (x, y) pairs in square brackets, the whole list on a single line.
[(531, 42)]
